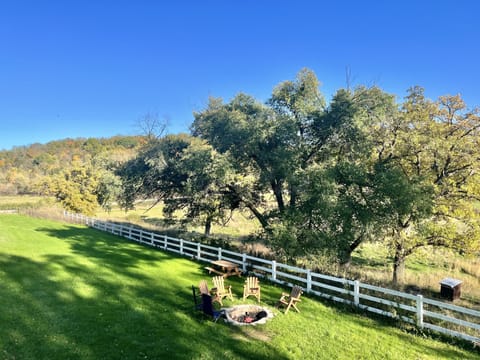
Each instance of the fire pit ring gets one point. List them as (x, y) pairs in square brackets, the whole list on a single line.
[(247, 315)]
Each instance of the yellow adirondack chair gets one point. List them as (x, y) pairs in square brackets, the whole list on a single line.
[(251, 287), (221, 291), (203, 286), (291, 299)]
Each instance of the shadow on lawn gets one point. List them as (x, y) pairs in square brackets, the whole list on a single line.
[(65, 307)]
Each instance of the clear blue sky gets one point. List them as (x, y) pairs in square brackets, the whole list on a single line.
[(92, 68)]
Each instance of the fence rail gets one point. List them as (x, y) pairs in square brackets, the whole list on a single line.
[(9, 211), (425, 313)]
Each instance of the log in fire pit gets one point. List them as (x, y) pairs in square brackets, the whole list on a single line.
[(247, 315)]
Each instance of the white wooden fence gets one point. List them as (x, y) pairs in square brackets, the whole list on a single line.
[(9, 211), (425, 313)]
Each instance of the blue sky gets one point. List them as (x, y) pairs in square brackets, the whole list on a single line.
[(94, 68)]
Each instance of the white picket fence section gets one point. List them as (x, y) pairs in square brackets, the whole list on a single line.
[(425, 313)]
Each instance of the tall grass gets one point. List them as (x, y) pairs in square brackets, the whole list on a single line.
[(424, 271), (22, 202)]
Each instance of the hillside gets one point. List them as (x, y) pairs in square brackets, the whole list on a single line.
[(23, 168)]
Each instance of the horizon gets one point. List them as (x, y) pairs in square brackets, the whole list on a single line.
[(95, 69)]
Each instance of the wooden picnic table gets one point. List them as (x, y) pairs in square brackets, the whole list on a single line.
[(224, 268)]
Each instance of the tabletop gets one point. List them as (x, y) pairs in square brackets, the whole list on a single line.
[(225, 264)]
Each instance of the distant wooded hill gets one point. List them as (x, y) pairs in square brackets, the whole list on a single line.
[(24, 167)]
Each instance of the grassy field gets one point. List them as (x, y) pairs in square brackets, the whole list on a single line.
[(371, 262), (70, 292), (22, 201)]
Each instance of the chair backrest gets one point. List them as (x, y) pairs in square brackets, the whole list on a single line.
[(296, 292), (195, 298), (207, 306), (203, 287), (252, 282), (218, 282)]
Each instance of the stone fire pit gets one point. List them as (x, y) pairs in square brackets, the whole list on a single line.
[(247, 315)]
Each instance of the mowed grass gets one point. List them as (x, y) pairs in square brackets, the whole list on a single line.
[(70, 292)]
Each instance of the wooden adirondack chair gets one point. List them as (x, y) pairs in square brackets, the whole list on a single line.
[(251, 287), (203, 286), (291, 299), (221, 291)]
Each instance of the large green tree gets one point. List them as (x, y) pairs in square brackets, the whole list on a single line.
[(347, 193), (294, 140), (184, 172), (268, 142)]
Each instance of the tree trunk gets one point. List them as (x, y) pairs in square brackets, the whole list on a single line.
[(237, 196), (293, 196), (398, 266), (208, 226), (346, 261), (346, 256), (278, 191), (263, 221)]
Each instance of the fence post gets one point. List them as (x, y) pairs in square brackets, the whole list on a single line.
[(420, 311), (181, 246), (356, 292), (244, 263), (199, 251), (219, 253), (165, 241), (309, 280), (274, 270)]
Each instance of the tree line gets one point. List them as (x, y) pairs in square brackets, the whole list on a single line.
[(80, 172)]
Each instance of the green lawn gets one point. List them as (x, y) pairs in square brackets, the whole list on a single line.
[(70, 292)]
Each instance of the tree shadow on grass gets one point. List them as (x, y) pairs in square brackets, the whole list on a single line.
[(66, 307), (100, 246)]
